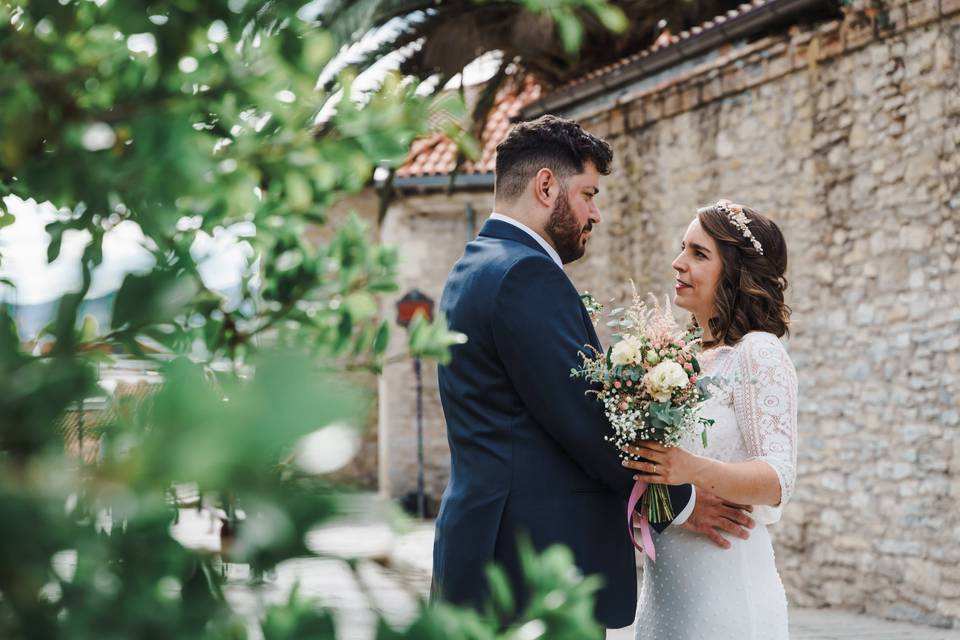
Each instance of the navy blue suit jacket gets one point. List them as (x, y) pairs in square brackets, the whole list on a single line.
[(527, 445)]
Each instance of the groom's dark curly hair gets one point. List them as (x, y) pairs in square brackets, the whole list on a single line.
[(547, 142), (749, 296)]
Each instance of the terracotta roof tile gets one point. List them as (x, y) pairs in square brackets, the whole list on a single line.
[(437, 154)]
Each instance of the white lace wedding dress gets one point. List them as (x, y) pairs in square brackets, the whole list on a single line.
[(696, 590)]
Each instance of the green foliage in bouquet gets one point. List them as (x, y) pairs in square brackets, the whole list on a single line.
[(649, 383)]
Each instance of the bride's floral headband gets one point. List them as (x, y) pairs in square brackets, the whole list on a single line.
[(739, 219)]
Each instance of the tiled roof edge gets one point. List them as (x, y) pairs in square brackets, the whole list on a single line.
[(747, 19)]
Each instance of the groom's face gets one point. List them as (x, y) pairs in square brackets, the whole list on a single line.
[(574, 214)]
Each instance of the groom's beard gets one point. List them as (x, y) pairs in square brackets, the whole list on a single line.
[(566, 232)]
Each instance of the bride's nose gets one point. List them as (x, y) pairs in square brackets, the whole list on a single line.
[(678, 264)]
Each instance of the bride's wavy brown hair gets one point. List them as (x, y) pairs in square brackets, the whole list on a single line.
[(749, 295)]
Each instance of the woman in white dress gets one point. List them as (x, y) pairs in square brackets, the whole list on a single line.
[(730, 277)]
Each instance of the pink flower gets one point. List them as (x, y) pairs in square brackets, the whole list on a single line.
[(693, 379), (616, 384), (629, 383), (623, 406), (688, 366)]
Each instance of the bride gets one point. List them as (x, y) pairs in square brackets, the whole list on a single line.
[(730, 277)]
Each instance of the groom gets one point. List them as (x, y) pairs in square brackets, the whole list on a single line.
[(527, 446)]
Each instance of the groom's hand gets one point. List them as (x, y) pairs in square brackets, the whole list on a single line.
[(711, 515)]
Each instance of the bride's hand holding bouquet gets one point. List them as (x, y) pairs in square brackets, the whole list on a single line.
[(660, 464), (650, 385)]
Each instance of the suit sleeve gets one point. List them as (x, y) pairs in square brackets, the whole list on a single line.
[(539, 331)]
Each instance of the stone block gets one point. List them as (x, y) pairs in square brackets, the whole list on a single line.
[(636, 114), (778, 65), (671, 102), (653, 108), (712, 89), (831, 45), (690, 97), (599, 127), (921, 12), (616, 122), (732, 80), (856, 35), (897, 18)]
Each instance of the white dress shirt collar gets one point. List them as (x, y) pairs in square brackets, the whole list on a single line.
[(533, 234)]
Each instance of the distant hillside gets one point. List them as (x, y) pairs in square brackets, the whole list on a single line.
[(31, 318)]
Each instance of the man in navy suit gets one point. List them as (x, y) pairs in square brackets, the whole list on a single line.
[(528, 454)]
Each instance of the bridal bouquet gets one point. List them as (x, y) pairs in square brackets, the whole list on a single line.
[(650, 386)]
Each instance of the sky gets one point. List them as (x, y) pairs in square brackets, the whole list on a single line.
[(23, 256)]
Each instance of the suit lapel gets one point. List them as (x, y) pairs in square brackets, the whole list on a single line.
[(594, 339)]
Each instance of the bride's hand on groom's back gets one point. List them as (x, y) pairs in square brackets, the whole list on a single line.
[(712, 515)]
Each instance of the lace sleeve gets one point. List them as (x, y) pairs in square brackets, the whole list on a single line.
[(765, 402)]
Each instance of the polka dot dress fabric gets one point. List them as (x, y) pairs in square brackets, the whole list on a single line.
[(696, 590)]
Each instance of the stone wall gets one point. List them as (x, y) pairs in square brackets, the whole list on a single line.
[(431, 230), (847, 137), (849, 142)]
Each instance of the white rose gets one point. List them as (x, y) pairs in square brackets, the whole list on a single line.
[(663, 379), (625, 352)]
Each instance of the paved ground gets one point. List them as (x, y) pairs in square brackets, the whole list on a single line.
[(395, 574)]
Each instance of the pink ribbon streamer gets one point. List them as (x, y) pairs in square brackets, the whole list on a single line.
[(639, 488)]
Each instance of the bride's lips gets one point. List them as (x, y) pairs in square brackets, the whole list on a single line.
[(681, 285)]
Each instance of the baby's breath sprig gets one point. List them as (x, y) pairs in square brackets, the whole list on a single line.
[(594, 308), (649, 383)]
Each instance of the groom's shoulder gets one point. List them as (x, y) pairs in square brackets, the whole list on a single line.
[(504, 257), (531, 272)]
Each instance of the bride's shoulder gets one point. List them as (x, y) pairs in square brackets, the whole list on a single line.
[(759, 338), (763, 346)]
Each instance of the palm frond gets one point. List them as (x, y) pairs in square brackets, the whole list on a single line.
[(348, 20), (407, 36), (481, 113)]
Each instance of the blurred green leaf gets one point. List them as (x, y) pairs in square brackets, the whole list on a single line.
[(192, 120), (298, 620), (382, 339), (501, 596), (571, 31), (153, 297), (432, 340), (88, 329)]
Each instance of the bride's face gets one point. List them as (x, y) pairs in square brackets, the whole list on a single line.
[(698, 270)]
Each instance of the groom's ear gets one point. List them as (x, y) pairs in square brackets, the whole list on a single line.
[(546, 189)]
